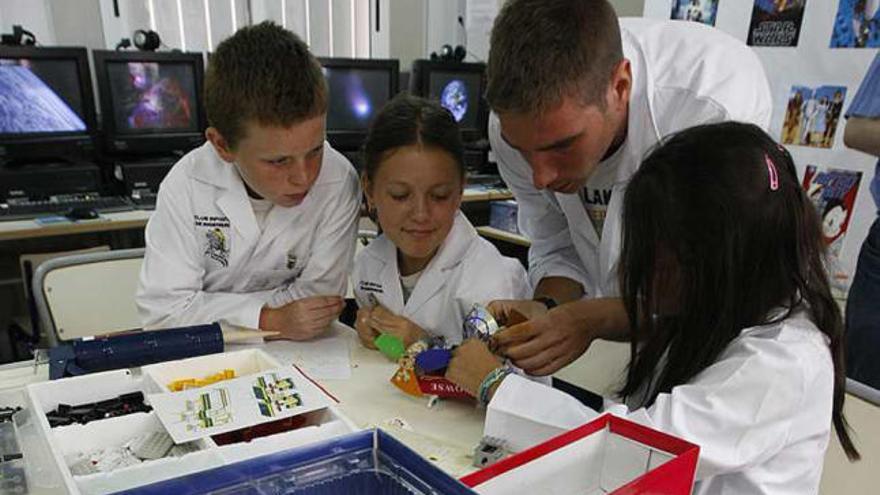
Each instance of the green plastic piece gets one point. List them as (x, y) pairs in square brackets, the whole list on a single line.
[(390, 345)]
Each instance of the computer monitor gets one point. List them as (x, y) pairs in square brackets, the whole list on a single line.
[(47, 110), (151, 102), (359, 88), (459, 87)]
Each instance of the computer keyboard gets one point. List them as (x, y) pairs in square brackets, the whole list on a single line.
[(24, 209), (144, 200)]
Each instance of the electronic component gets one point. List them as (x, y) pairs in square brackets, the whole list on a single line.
[(187, 383), (7, 412), (489, 451), (66, 414), (479, 323)]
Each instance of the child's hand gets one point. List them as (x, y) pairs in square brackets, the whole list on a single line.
[(364, 330), (471, 362), (302, 319), (384, 321)]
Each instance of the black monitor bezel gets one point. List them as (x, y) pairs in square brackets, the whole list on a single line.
[(154, 143), (420, 85), (56, 145), (350, 140)]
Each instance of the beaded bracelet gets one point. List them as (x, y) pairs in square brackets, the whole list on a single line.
[(494, 377)]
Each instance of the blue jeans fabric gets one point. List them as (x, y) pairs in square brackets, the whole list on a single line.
[(863, 314)]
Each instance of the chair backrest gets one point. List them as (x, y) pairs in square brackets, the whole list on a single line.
[(88, 294), (863, 391)]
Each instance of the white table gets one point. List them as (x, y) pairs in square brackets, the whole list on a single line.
[(445, 433)]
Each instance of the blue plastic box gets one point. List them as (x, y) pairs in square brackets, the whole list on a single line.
[(366, 462)]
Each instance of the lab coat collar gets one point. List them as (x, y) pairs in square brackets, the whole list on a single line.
[(232, 198), (209, 168), (452, 252)]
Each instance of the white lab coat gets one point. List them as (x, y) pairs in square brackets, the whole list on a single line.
[(466, 269), (207, 259), (684, 74), (761, 413)]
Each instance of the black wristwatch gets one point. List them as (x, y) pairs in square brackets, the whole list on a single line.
[(547, 301)]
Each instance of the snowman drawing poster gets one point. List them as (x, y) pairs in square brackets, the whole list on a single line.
[(833, 193)]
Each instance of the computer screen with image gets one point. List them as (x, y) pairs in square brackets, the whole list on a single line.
[(459, 87), (151, 101), (458, 92), (358, 89), (153, 96), (356, 96), (40, 96)]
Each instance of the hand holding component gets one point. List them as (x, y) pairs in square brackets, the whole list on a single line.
[(365, 331), (382, 320), (471, 363), (545, 343)]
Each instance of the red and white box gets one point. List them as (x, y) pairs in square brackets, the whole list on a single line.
[(607, 455)]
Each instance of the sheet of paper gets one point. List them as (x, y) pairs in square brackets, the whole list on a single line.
[(237, 403), (325, 358)]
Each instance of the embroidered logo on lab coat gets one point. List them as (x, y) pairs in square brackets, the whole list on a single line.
[(217, 248), (296, 264), (216, 236), (367, 286)]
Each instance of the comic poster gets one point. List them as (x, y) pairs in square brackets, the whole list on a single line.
[(833, 193), (695, 10), (237, 403), (857, 24), (812, 115), (776, 22)]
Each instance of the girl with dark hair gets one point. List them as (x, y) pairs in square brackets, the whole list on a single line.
[(735, 338), (421, 277)]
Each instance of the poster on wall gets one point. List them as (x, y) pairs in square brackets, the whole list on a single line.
[(776, 22), (812, 115), (833, 193), (857, 24), (695, 10)]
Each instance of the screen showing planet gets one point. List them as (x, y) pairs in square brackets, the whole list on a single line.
[(40, 97), (356, 95), (458, 92)]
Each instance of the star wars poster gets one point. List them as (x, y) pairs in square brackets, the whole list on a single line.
[(695, 10), (776, 22), (833, 193), (812, 115), (857, 24)]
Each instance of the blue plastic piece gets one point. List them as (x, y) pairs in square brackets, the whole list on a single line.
[(433, 359), (368, 462), (134, 349)]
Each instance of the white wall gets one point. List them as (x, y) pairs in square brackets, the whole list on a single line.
[(33, 15), (407, 31), (628, 8), (338, 28)]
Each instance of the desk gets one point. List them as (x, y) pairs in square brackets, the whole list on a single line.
[(480, 193), (503, 235), (29, 229)]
